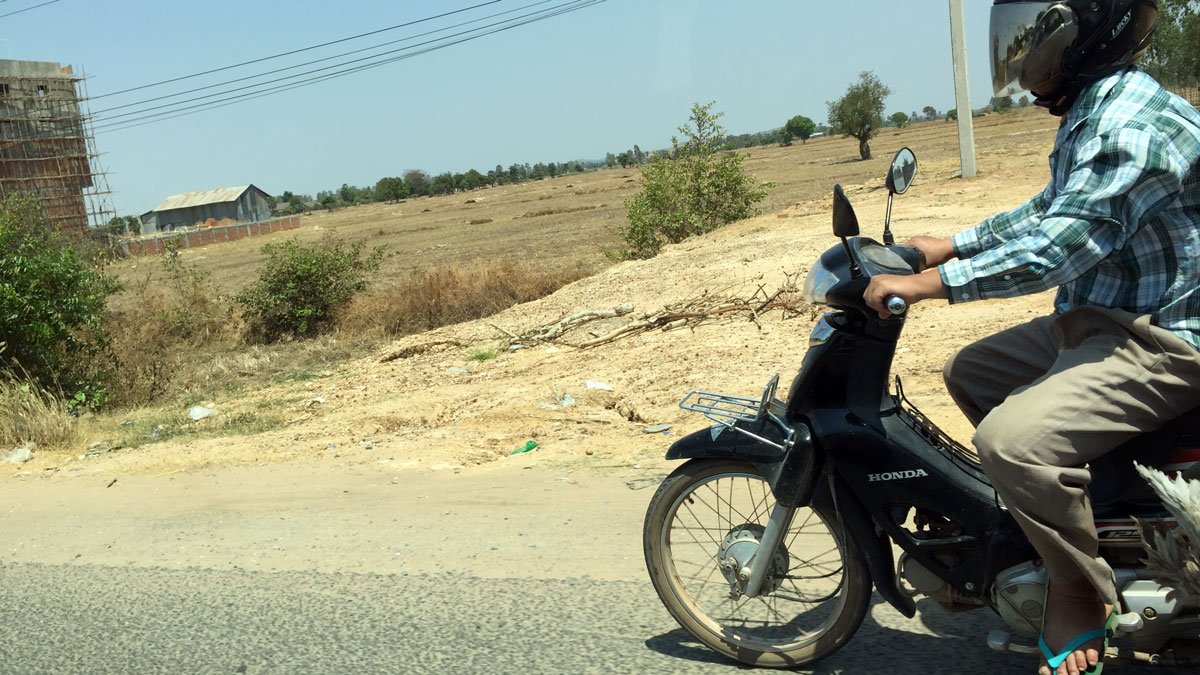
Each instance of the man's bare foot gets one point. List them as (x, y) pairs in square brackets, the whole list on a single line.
[(1072, 609)]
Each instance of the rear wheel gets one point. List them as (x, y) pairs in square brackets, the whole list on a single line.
[(703, 520)]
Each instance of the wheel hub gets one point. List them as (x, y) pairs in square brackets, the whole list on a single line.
[(736, 553)]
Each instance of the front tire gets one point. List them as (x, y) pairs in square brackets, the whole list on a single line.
[(818, 587)]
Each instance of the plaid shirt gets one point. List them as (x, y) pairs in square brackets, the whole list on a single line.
[(1119, 224)]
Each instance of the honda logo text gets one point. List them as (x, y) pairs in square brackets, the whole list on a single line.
[(896, 475)]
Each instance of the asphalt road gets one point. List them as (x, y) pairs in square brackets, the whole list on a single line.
[(92, 619)]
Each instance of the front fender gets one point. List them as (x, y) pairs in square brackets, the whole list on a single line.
[(791, 475)]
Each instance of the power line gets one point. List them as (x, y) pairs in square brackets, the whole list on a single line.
[(297, 51), (101, 113), (568, 7), (221, 103), (326, 68), (51, 2)]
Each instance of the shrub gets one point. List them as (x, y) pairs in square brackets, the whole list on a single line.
[(300, 287), (52, 299), (696, 188)]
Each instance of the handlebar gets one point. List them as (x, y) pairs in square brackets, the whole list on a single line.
[(896, 304)]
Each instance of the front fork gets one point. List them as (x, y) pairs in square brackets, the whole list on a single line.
[(755, 573)]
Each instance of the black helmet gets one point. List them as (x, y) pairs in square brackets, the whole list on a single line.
[(1054, 48)]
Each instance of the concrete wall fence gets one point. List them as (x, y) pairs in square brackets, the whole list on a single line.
[(209, 235)]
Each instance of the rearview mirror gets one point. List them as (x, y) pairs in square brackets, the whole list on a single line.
[(902, 172), (845, 223)]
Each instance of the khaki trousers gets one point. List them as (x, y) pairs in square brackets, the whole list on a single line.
[(1050, 395)]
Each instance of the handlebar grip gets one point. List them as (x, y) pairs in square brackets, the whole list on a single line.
[(896, 304)]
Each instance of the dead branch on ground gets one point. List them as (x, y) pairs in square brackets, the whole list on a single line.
[(690, 313)]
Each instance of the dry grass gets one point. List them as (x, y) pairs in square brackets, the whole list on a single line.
[(442, 296), (30, 415), (435, 231)]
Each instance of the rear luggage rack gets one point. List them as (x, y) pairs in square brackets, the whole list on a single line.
[(727, 411)]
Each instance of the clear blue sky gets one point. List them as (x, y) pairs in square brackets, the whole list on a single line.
[(576, 86)]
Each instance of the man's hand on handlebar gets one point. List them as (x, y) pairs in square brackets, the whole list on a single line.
[(911, 288), (937, 250)]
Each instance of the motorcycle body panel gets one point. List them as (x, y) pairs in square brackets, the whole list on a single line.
[(793, 475)]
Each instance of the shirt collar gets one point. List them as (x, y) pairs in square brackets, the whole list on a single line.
[(1089, 100)]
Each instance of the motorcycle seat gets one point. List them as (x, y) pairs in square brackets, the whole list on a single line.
[(1117, 490)]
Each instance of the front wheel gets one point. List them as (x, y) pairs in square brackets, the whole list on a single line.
[(702, 518)]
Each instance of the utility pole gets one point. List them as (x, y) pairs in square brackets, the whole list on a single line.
[(962, 92)]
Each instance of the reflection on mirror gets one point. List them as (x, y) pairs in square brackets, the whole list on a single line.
[(902, 172), (845, 223)]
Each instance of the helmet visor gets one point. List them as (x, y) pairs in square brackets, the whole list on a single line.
[(1016, 28)]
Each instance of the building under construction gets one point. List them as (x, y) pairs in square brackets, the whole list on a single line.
[(46, 147)]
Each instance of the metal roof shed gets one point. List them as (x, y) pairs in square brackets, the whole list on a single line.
[(244, 203)]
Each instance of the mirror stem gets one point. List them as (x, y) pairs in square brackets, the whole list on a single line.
[(855, 272), (888, 239)]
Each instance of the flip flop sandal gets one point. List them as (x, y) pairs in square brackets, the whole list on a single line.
[(1055, 660)]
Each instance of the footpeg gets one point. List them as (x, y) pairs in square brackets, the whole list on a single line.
[(1001, 641), (1129, 623)]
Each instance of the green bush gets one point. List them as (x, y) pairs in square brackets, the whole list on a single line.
[(300, 287), (52, 301), (695, 189)]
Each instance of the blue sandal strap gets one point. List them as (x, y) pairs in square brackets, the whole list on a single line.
[(1054, 660)]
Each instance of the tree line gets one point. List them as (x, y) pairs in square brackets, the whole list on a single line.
[(1174, 58), (418, 183)]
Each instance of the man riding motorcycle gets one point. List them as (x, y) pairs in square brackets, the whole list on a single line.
[(1117, 231)]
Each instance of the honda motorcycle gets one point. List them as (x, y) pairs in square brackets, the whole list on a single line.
[(766, 543)]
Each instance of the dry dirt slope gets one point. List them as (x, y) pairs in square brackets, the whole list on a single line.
[(432, 408)]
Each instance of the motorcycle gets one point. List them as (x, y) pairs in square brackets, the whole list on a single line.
[(766, 543)]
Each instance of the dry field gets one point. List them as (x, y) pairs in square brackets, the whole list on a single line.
[(453, 397), (562, 221)]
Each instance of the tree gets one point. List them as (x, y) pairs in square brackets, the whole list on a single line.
[(442, 184), (1174, 55), (899, 119), (638, 156), (296, 203), (472, 179), (418, 182), (952, 114), (122, 225), (328, 200), (1002, 103), (859, 113), (696, 189), (930, 112), (798, 127), (390, 189), (348, 194)]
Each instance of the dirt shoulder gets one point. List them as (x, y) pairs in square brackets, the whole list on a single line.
[(421, 404)]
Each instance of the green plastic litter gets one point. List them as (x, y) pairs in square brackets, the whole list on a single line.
[(529, 446)]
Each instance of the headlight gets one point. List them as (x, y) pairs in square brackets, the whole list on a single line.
[(817, 284)]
